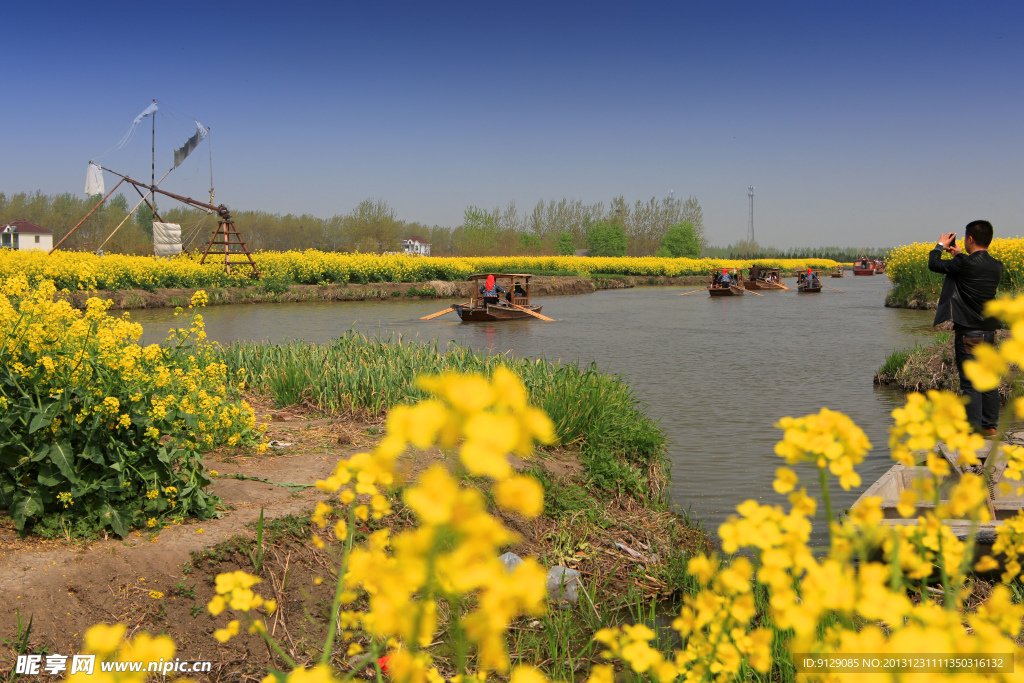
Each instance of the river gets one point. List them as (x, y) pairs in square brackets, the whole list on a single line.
[(716, 373)]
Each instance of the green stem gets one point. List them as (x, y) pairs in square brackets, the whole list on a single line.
[(272, 643), (332, 626)]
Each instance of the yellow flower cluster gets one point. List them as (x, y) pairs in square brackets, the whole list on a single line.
[(827, 439), (234, 590), (86, 271), (453, 553), (908, 265), (924, 422), (113, 398), (109, 645)]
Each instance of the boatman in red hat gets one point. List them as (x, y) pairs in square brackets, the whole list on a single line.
[(725, 280), (491, 290)]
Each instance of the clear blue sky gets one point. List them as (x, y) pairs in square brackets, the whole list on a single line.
[(860, 124)]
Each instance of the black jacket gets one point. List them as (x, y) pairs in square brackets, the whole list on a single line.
[(971, 282)]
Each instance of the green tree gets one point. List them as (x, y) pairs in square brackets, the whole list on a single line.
[(144, 218), (681, 240), (606, 240), (565, 245), (529, 243)]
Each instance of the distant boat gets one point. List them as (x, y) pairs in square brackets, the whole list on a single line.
[(838, 272), (863, 266)]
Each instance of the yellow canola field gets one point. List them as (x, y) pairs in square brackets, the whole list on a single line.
[(908, 265), (87, 271)]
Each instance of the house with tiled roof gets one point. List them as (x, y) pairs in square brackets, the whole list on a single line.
[(415, 247), (23, 235)]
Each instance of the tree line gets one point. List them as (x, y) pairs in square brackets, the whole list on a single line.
[(746, 249), (551, 227), (662, 227)]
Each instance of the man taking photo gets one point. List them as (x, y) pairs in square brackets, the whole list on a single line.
[(972, 277)]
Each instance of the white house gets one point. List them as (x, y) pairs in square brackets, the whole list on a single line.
[(415, 247), (23, 236)]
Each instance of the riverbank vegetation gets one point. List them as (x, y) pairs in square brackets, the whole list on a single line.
[(84, 271), (98, 433), (933, 367), (415, 583), (621, 448), (429, 599), (914, 286), (550, 228)]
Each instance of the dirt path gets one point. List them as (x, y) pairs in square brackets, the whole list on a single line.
[(68, 586)]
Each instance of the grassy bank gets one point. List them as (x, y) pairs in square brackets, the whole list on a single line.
[(933, 366), (622, 449)]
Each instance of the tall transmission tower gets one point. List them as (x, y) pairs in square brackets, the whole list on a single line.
[(750, 224)]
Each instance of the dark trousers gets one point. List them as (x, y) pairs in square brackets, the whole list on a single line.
[(982, 406)]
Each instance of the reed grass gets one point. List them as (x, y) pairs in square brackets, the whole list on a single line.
[(621, 447), (895, 361)]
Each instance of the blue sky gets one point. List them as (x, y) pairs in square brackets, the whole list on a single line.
[(860, 124)]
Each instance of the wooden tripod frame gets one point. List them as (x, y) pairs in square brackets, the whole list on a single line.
[(228, 237)]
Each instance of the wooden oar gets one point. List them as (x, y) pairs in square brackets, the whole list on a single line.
[(695, 291), (440, 313), (838, 290), (533, 313), (750, 291)]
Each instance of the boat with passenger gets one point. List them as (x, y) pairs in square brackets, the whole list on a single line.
[(725, 284), (764, 279), (809, 282), (496, 296)]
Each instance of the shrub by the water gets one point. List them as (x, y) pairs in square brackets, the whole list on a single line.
[(98, 432)]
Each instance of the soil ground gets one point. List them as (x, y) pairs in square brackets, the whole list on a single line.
[(161, 580)]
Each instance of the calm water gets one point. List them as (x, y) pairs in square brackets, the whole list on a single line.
[(717, 373)]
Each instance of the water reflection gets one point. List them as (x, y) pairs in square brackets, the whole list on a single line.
[(717, 373)]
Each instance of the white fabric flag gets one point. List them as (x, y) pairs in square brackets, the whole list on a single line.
[(145, 112), (94, 180), (166, 239), (148, 111)]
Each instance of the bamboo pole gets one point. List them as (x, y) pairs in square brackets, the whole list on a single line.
[(704, 289), (84, 219)]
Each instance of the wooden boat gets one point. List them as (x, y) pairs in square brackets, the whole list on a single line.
[(766, 279), (804, 285), (879, 266), (863, 266), (838, 272), (717, 288), (517, 291), (1002, 504)]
